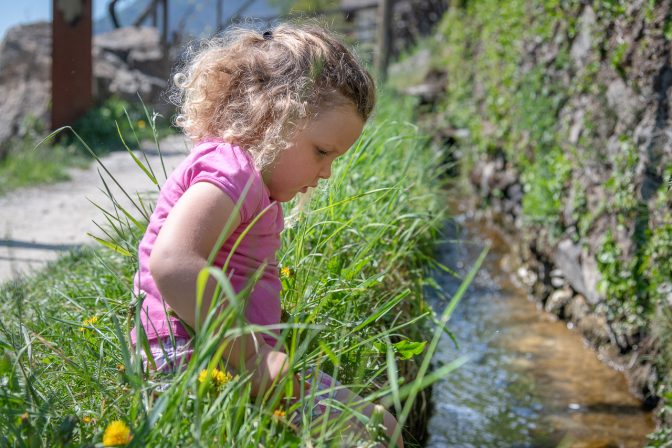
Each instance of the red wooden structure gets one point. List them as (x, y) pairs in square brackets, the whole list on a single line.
[(71, 61)]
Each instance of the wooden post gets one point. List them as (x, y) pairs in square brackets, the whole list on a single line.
[(155, 17), (219, 16), (71, 61), (164, 31), (384, 38)]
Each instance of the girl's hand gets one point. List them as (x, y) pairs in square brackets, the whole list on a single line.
[(270, 366)]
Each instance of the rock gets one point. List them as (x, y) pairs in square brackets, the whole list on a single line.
[(413, 69), (557, 301), (591, 276), (643, 378), (515, 193), (568, 259), (595, 328), (139, 47), (579, 268), (583, 42), (577, 126), (25, 78), (623, 102), (577, 308), (504, 178), (129, 61), (557, 278), (488, 172), (123, 41), (615, 130), (432, 89), (126, 62), (526, 276)]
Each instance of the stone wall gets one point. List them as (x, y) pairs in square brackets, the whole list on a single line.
[(596, 256), (559, 113)]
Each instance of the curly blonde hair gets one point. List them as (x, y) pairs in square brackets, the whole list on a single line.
[(255, 89)]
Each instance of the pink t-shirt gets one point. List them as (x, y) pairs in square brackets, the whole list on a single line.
[(229, 168)]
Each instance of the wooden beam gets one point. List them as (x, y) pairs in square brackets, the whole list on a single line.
[(384, 38), (71, 62)]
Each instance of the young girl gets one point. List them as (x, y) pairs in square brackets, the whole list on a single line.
[(268, 112)]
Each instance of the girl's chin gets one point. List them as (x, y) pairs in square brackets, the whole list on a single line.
[(288, 197), (283, 198)]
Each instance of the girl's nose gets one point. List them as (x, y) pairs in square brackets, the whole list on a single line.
[(325, 172)]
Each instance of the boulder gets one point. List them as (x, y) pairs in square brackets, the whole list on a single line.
[(126, 62), (579, 269), (137, 49), (557, 301), (577, 308), (595, 328), (25, 78)]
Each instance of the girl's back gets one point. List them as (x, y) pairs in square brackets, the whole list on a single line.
[(232, 170)]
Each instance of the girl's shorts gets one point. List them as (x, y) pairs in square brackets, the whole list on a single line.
[(171, 355), (168, 355)]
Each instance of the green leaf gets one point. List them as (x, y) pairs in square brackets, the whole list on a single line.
[(407, 349), (115, 247)]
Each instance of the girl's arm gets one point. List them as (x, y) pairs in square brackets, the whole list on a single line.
[(180, 252), (183, 245)]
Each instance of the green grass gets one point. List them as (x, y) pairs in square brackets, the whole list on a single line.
[(27, 164), (354, 302)]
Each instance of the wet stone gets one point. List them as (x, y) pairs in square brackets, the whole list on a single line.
[(557, 301)]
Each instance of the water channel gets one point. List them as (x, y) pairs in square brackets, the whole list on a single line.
[(530, 381)]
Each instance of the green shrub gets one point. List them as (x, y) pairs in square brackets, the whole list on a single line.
[(544, 189), (101, 126)]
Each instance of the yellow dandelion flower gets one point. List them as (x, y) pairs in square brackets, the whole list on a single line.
[(121, 368), (216, 376), (285, 272), (117, 433), (141, 124), (279, 413), (87, 419), (87, 323)]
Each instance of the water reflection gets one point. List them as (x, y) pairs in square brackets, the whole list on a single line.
[(531, 381)]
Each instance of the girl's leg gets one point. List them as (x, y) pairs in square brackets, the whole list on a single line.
[(168, 355), (389, 422), (327, 384)]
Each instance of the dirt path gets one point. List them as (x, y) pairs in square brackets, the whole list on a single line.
[(40, 223)]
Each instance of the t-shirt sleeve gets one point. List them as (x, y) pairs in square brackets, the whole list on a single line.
[(232, 172)]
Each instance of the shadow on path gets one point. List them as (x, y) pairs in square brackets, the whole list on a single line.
[(38, 246)]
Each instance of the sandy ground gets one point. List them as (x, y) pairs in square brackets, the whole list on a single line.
[(38, 224)]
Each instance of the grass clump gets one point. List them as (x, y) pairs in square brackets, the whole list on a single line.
[(24, 166), (28, 162), (353, 267), (102, 126)]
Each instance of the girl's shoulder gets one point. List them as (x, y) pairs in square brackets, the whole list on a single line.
[(216, 150), (229, 167)]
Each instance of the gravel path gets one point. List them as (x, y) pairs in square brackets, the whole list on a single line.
[(38, 224)]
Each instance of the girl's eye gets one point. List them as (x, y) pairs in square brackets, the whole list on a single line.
[(322, 152)]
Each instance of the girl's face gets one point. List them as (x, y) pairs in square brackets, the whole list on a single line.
[(311, 152)]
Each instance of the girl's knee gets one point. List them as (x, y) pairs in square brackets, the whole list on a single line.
[(391, 424)]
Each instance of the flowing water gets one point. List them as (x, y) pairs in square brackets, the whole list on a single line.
[(530, 381)]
